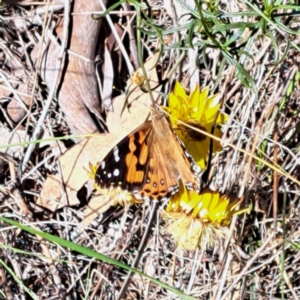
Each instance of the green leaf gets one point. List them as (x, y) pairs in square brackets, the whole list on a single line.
[(93, 254), (238, 25)]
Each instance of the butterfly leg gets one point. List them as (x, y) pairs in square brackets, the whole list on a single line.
[(141, 248)]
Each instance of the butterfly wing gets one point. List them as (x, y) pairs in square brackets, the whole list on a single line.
[(149, 163), (160, 183), (177, 159), (124, 166)]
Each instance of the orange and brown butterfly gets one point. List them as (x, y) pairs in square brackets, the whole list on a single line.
[(149, 162)]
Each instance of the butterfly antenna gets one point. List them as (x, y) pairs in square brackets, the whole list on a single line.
[(141, 248)]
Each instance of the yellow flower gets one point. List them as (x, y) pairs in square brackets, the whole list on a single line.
[(118, 196), (115, 195), (200, 111), (93, 169), (199, 219)]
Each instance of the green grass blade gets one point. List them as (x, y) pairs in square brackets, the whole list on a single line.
[(93, 254)]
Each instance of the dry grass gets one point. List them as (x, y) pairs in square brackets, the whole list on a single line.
[(261, 258)]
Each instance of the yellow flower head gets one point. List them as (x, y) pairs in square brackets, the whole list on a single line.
[(116, 196), (199, 111), (199, 219), (92, 173)]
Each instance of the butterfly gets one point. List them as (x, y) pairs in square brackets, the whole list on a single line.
[(149, 162)]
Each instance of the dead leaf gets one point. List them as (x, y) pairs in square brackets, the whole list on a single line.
[(75, 161), (98, 205), (137, 99), (78, 95), (57, 146)]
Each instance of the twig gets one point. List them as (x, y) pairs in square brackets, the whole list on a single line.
[(121, 45), (38, 128), (247, 266), (141, 248)]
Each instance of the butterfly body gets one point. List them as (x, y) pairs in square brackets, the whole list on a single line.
[(149, 162)]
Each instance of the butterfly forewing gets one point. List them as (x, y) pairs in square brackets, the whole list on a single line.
[(176, 158), (125, 164), (194, 168)]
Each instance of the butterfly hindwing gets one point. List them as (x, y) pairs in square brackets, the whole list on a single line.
[(159, 183)]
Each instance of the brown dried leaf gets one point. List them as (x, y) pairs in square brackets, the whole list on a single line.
[(78, 96), (137, 99), (74, 175), (95, 207)]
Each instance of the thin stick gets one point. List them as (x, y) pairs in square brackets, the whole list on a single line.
[(141, 248), (59, 64)]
